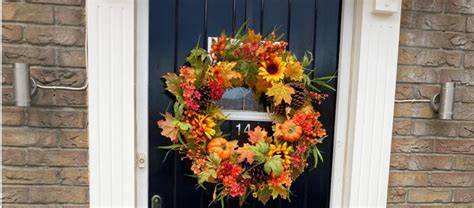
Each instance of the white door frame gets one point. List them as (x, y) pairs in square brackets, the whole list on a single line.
[(364, 107)]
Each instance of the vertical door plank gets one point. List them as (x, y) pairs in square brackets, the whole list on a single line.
[(253, 14), (275, 16), (190, 20), (220, 14), (239, 9), (301, 27), (326, 52), (161, 60)]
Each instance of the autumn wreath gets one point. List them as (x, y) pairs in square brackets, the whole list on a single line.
[(266, 164)]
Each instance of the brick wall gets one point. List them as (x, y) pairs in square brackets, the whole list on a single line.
[(432, 162), (45, 145)]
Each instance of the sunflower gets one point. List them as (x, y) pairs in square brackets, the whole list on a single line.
[(273, 70), (283, 150)]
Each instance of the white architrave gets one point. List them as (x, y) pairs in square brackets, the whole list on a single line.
[(111, 67), (370, 103)]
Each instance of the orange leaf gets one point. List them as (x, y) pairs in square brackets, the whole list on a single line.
[(257, 135), (169, 128), (245, 153)]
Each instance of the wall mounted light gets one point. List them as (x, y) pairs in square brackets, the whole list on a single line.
[(25, 86), (21, 85), (441, 103)]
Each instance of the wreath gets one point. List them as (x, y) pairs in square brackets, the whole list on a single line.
[(266, 164)]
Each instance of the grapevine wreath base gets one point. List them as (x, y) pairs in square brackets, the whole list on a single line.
[(266, 165)]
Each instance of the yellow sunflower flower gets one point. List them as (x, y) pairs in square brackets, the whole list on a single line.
[(272, 71), (283, 150)]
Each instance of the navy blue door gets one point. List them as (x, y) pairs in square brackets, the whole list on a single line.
[(175, 28)]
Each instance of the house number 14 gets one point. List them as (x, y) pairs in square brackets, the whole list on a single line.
[(246, 129)]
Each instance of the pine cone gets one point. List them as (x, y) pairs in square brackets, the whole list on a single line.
[(257, 174), (278, 109), (297, 98), (205, 100)]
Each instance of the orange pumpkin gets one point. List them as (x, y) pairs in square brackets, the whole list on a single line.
[(290, 131), (221, 147)]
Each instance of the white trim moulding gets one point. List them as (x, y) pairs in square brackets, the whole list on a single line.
[(111, 67)]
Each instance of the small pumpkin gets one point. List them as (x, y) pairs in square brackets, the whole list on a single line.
[(221, 147), (290, 131)]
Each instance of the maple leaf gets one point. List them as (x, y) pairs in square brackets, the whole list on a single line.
[(294, 71), (245, 153), (228, 74), (169, 128), (253, 37), (261, 85), (257, 135), (172, 84), (280, 92), (279, 191)]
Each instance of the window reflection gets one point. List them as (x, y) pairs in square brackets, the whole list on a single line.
[(241, 98)]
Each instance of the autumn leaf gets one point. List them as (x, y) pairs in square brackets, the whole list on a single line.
[(245, 153), (228, 74), (168, 127), (172, 84), (257, 135), (280, 92), (253, 37), (294, 71), (261, 85), (279, 190)]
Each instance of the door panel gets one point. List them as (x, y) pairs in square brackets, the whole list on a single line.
[(176, 26)]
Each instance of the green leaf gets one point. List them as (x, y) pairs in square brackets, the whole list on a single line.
[(172, 147), (264, 195), (199, 60), (316, 155), (307, 58), (214, 160), (325, 84), (260, 151), (205, 175), (274, 166), (238, 34), (326, 78), (184, 126), (178, 109)]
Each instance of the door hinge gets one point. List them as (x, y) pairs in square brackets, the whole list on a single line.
[(141, 160)]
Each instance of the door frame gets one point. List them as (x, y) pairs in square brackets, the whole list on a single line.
[(360, 133)]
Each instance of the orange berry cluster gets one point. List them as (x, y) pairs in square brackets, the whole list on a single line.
[(273, 50), (312, 127), (218, 47)]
